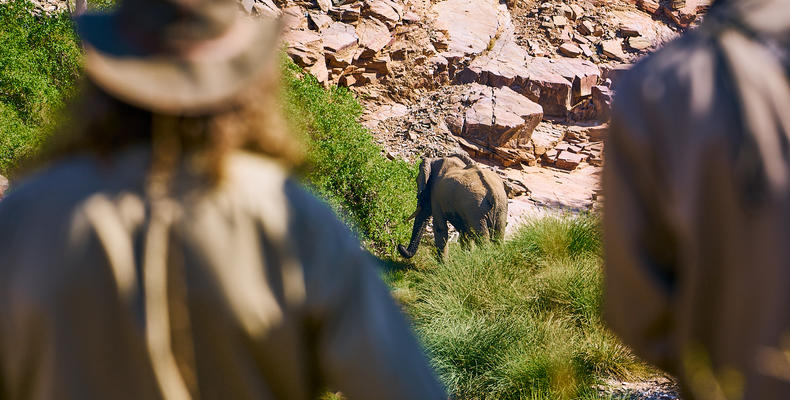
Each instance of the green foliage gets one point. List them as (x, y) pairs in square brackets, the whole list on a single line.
[(39, 65), (518, 320), (344, 164)]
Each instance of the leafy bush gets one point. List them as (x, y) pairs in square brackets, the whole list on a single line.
[(519, 320), (344, 164), (39, 65)]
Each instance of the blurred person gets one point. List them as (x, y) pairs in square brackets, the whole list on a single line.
[(165, 253), (697, 205)]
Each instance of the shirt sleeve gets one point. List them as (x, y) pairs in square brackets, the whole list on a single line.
[(365, 347), (640, 248)]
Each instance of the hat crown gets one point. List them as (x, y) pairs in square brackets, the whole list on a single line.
[(177, 56), (170, 25)]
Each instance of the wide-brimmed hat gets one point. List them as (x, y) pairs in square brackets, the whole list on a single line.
[(183, 57)]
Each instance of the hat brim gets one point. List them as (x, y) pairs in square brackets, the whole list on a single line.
[(172, 83)]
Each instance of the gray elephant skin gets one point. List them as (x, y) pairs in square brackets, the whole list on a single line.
[(455, 190)]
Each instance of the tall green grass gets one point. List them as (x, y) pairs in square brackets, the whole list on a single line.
[(519, 320), (345, 166), (39, 65)]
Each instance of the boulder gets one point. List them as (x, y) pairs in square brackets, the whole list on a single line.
[(304, 47), (349, 13), (639, 43), (508, 157), (568, 160), (559, 21), (555, 84), (324, 5), (318, 21), (373, 36), (4, 184), (613, 49), (378, 65), (586, 27), (630, 29), (565, 10), (386, 11), (577, 11), (504, 65), (559, 83), (686, 12), (366, 78), (294, 18), (347, 80), (602, 101), (569, 49), (514, 188), (266, 9), (246, 5), (340, 43), (469, 25), (547, 88), (649, 6), (586, 50), (545, 138), (500, 118)]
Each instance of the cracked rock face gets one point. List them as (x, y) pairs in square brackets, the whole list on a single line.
[(468, 24), (500, 117), (441, 76)]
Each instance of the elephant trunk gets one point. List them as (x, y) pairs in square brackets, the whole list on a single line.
[(420, 222)]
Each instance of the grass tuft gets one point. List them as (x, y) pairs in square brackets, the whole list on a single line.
[(39, 65), (345, 166), (518, 320)]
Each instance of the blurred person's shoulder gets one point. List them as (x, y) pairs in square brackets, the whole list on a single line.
[(664, 78), (273, 194), (680, 94), (48, 195)]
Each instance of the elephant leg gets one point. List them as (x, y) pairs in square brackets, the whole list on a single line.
[(440, 234), (478, 233), (465, 239)]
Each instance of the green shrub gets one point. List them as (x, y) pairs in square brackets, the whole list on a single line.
[(39, 65), (518, 320), (345, 166)]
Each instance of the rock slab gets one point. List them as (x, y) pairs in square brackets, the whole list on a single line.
[(469, 25), (501, 117)]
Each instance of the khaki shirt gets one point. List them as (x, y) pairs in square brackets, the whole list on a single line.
[(250, 290), (697, 209)]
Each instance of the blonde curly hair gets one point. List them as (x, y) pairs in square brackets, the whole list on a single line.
[(102, 124)]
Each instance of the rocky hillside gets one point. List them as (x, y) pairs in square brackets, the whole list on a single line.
[(522, 85)]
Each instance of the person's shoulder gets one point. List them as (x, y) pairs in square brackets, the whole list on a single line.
[(52, 186), (675, 92), (668, 71), (266, 183)]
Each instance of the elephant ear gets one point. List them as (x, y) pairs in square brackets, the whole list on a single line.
[(422, 178)]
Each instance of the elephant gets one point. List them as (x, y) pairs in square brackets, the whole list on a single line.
[(455, 190)]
